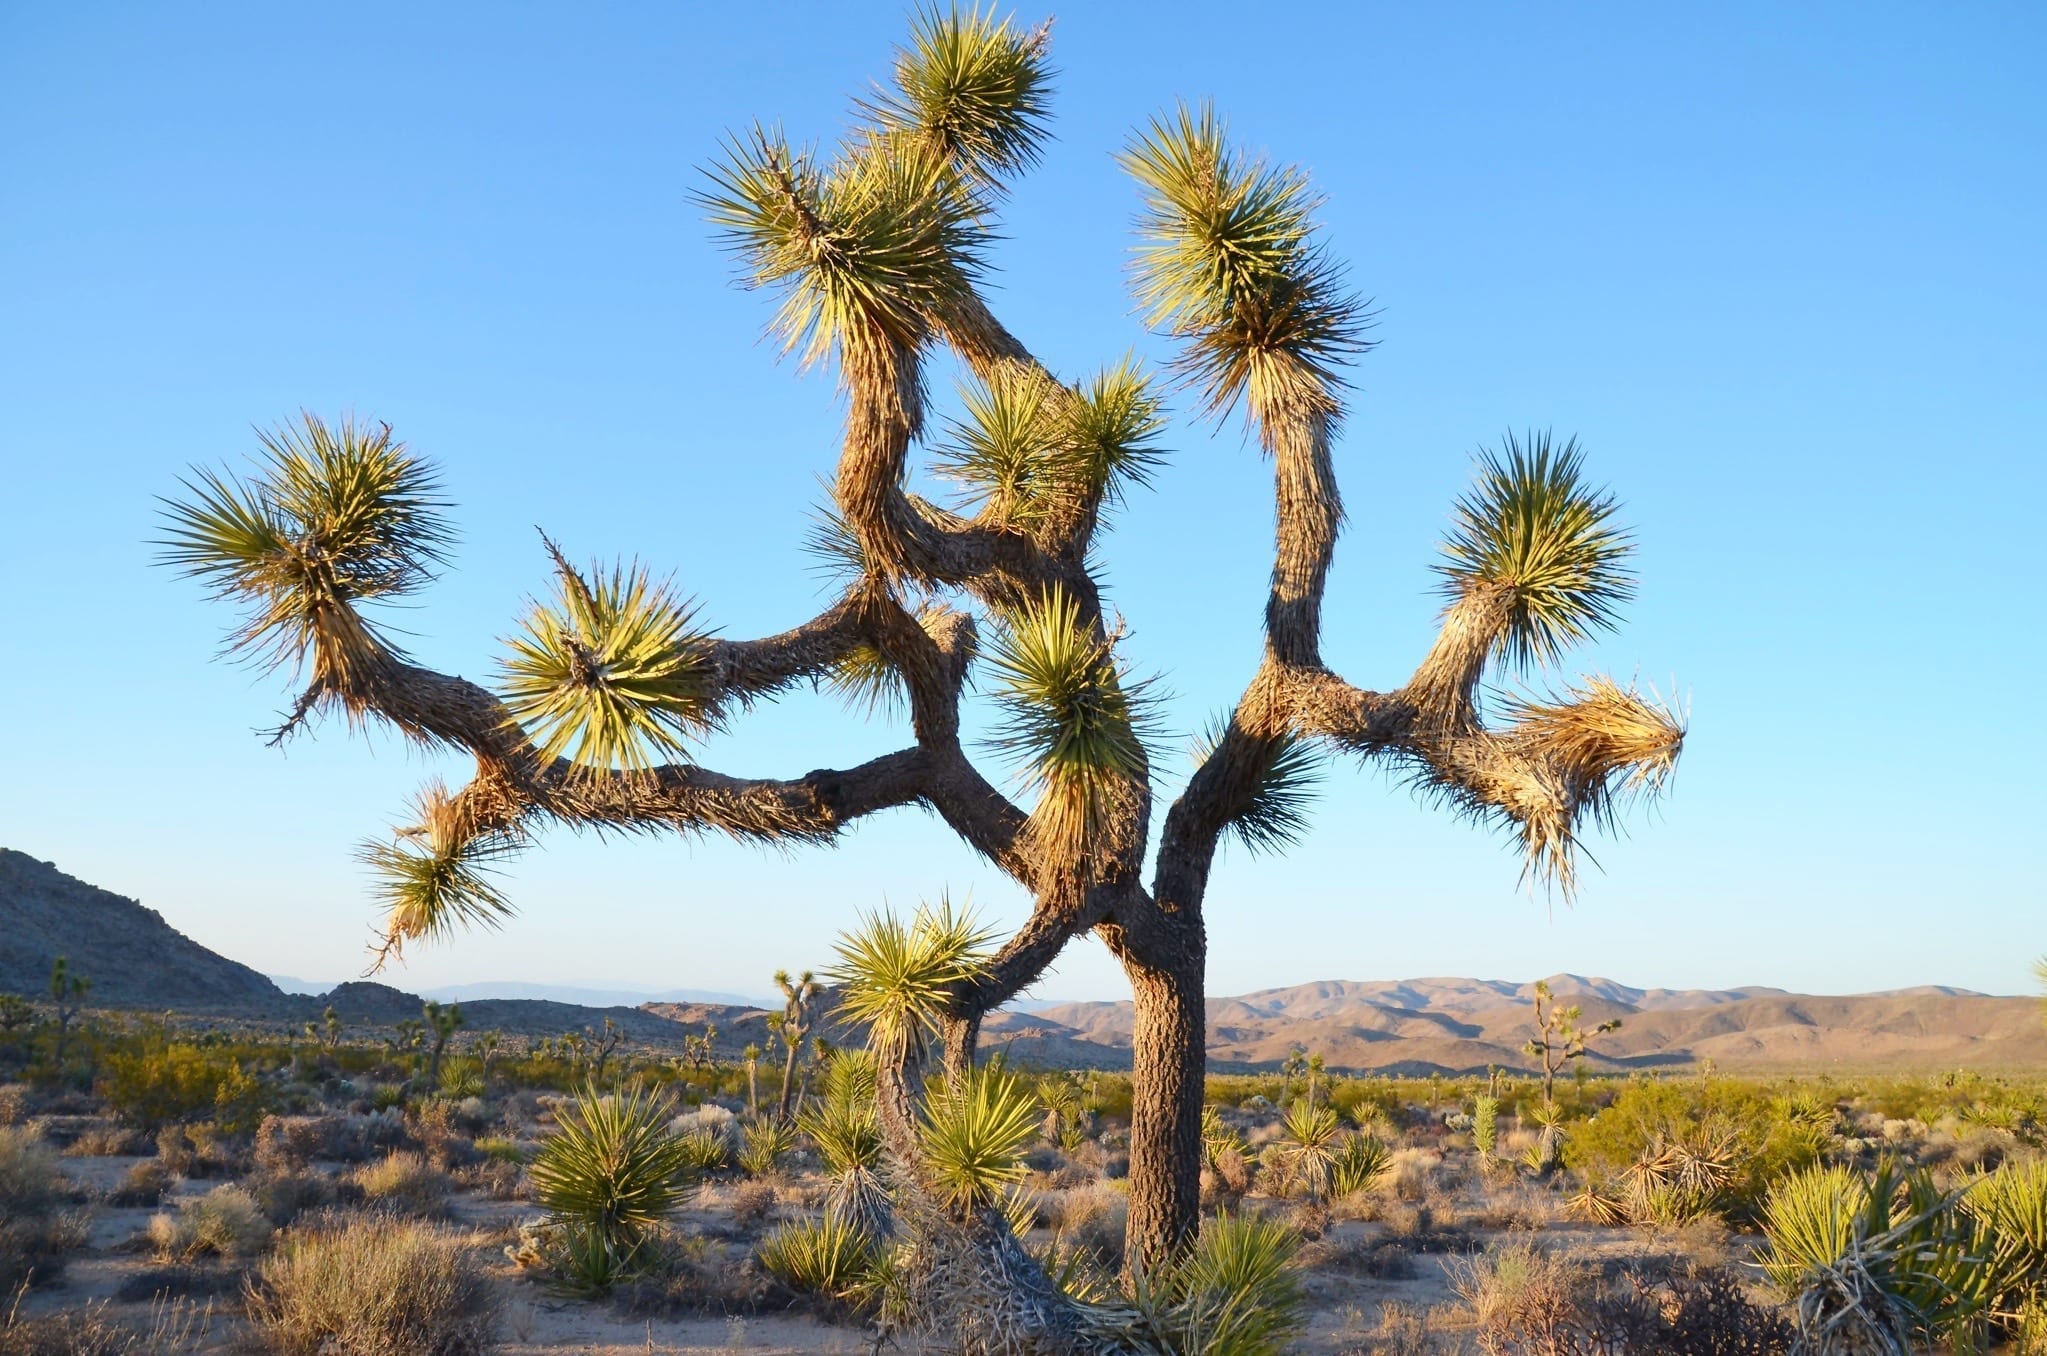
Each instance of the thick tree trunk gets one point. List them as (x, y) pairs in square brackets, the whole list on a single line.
[(1168, 1061), (962, 1034)]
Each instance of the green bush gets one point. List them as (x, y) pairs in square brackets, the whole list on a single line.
[(157, 1085)]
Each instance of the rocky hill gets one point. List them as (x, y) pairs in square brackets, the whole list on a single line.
[(136, 960), (132, 956)]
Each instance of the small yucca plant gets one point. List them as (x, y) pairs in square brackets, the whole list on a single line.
[(1360, 1163), (1234, 1293), (973, 1137), (612, 1173), (1309, 1147), (829, 1259), (764, 1142)]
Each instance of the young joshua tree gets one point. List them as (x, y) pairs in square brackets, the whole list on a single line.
[(1557, 1040), (799, 1014), (877, 249)]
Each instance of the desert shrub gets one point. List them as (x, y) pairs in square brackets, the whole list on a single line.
[(13, 1103), (288, 1143), (158, 1085), (1301, 1160), (497, 1180), (225, 1222), (404, 1181), (432, 1125), (35, 1233), (1092, 1219), (609, 1177), (830, 1262), (694, 1275), (284, 1196), (106, 1141), (1521, 1298), (144, 1184), (174, 1329), (30, 1183), (500, 1149), (373, 1286), (1706, 1313), (750, 1203)]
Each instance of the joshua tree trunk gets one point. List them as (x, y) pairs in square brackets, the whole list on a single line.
[(1168, 1062)]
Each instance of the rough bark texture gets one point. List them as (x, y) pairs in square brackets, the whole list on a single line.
[(1168, 1062)]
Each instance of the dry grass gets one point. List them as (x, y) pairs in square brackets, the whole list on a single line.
[(35, 1233), (225, 1222), (373, 1286), (404, 1181)]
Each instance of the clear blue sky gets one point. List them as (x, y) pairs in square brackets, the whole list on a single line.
[(1779, 268)]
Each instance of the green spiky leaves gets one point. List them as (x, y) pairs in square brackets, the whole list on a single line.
[(335, 515), (973, 1137), (895, 977), (1289, 778), (1230, 264), (612, 672), (863, 250), (974, 87), (1076, 723), (614, 1170), (435, 878), (1533, 527), (1033, 455)]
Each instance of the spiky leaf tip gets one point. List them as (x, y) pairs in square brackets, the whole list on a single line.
[(1605, 740), (1533, 527), (1230, 262), (1006, 452), (863, 250), (612, 672), (333, 515), (1113, 429), (1276, 815), (974, 86), (435, 878)]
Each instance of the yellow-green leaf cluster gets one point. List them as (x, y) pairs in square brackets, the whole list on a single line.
[(612, 672)]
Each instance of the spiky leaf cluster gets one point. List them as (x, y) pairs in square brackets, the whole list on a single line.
[(1231, 265), (895, 977), (334, 515), (1605, 740), (1033, 455), (1235, 1292), (974, 87), (611, 672), (1074, 720), (1289, 778), (613, 1168), (973, 1136), (434, 878), (864, 249), (1532, 526)]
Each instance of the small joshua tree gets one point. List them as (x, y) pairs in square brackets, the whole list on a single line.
[(1558, 1041), (752, 1055), (799, 1014), (441, 1024), (67, 994), (879, 249)]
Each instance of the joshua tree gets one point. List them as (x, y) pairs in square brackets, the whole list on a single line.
[(601, 1044), (701, 1052), (752, 1055), (443, 1023), (2040, 973), (67, 993), (799, 1014), (1558, 1041), (878, 250)]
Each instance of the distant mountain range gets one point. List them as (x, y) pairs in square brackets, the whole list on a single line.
[(136, 960)]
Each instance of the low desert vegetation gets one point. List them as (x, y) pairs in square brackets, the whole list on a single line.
[(370, 1207)]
